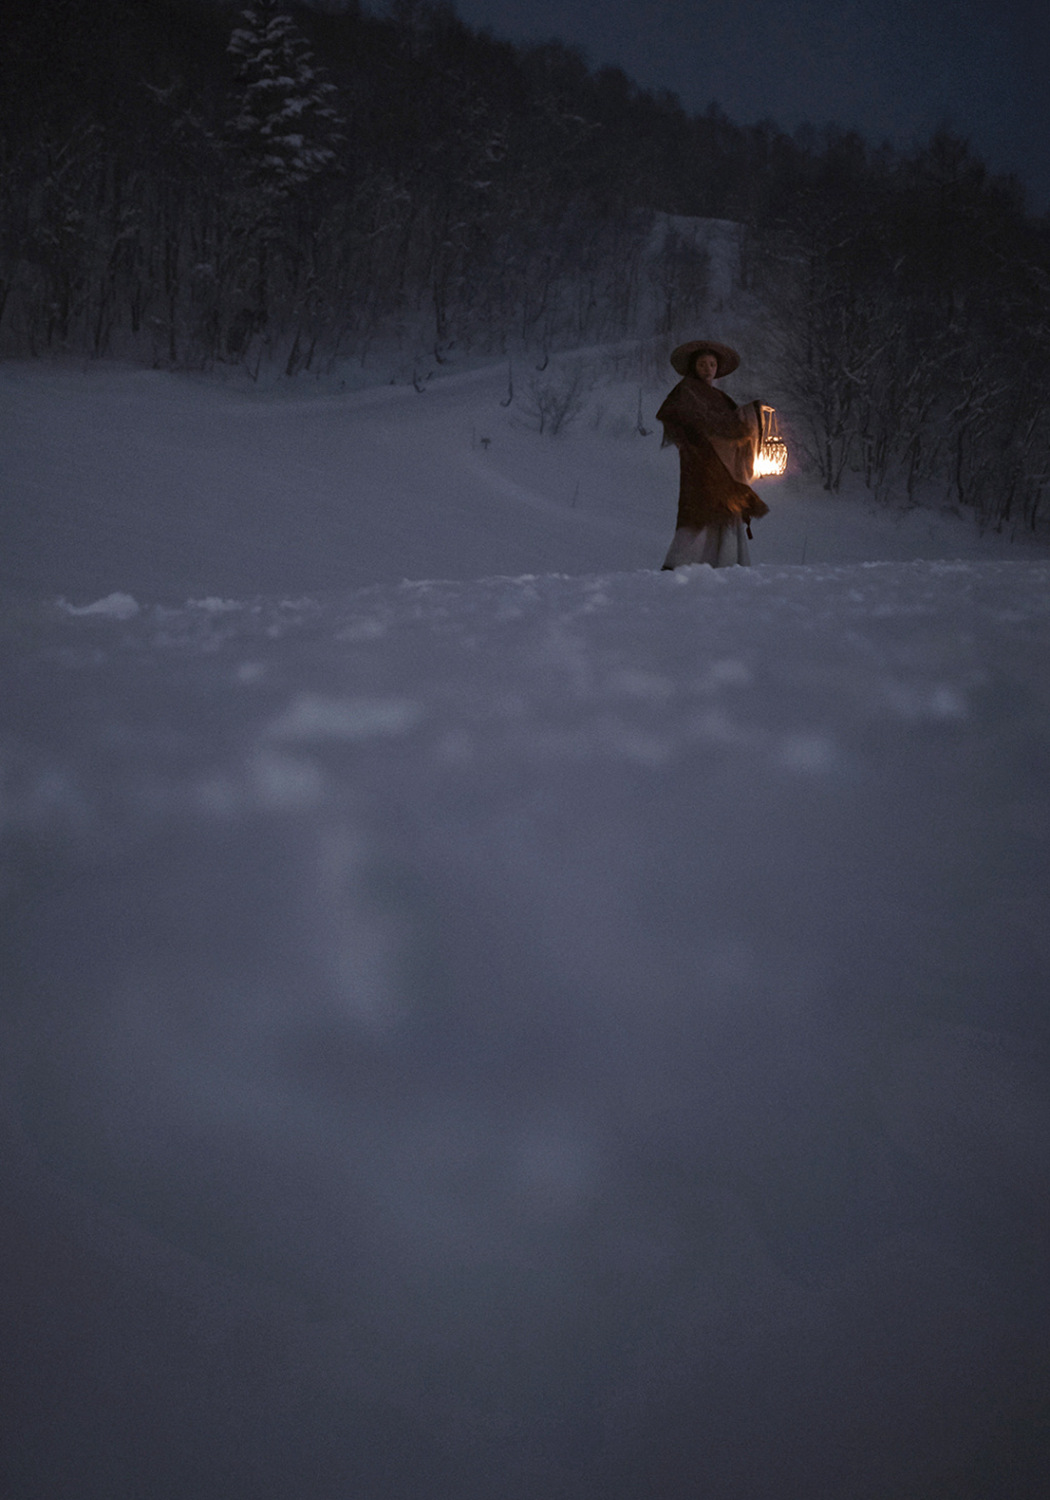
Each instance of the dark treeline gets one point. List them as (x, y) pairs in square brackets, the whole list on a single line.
[(193, 181), (910, 300), (504, 192)]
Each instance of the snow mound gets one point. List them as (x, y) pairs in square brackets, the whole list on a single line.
[(311, 717), (113, 607)]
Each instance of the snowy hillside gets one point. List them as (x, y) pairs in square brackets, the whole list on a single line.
[(544, 1028)]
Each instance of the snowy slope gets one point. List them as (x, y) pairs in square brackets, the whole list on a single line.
[(170, 489), (581, 1034)]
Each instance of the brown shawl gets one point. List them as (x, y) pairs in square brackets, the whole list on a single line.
[(717, 442)]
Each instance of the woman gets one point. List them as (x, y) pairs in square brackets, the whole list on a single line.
[(717, 442)]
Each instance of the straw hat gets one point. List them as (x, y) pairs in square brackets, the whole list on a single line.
[(682, 357)]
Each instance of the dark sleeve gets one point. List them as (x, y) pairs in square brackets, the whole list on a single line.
[(678, 433), (678, 428), (725, 421), (756, 509)]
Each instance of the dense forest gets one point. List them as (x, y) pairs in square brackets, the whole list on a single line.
[(195, 181)]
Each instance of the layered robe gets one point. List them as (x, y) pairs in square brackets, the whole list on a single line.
[(717, 443)]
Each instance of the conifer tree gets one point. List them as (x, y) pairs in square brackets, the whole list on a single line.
[(284, 122)]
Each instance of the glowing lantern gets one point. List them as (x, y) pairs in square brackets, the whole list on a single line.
[(771, 460)]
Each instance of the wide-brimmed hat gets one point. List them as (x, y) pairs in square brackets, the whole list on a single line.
[(682, 357)]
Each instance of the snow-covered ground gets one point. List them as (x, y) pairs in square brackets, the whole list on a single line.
[(169, 488), (545, 1028)]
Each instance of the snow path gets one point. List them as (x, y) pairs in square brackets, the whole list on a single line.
[(577, 1036)]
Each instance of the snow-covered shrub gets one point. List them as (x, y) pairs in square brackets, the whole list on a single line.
[(556, 398)]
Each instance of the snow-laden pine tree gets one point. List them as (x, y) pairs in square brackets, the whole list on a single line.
[(285, 132), (284, 121)]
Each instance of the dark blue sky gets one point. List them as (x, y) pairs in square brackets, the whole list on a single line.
[(890, 68)]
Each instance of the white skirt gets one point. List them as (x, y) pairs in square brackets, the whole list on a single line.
[(721, 546)]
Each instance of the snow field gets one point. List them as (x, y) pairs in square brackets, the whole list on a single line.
[(582, 990), (168, 488), (580, 1033)]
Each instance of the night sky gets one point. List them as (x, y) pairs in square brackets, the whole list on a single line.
[(895, 69)]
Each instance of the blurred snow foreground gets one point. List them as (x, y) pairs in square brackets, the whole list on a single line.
[(536, 1037)]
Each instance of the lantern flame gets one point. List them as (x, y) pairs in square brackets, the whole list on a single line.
[(771, 460)]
